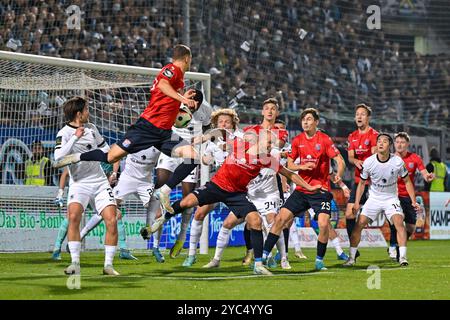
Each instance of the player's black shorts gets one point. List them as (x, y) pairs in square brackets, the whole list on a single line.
[(143, 135), (237, 202), (408, 210), (299, 202), (363, 197)]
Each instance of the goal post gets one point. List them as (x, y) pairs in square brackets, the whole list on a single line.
[(32, 91)]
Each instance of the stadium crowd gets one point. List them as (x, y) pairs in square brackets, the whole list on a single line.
[(255, 54)]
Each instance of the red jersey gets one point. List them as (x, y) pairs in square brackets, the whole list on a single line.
[(412, 162), (236, 173), (362, 144), (162, 110), (319, 150), (281, 133)]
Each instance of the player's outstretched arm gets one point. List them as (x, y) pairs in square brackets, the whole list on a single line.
[(63, 146), (340, 169), (356, 162), (299, 167), (427, 176), (411, 192), (169, 91), (298, 180)]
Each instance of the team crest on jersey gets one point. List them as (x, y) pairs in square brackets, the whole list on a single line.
[(392, 172), (168, 73), (318, 147), (411, 165), (367, 142), (126, 143)]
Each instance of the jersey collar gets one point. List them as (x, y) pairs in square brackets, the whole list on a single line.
[(385, 160)]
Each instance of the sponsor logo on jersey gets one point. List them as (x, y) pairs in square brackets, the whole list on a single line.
[(126, 143), (168, 73)]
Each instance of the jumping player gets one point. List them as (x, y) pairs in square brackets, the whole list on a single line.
[(154, 127)]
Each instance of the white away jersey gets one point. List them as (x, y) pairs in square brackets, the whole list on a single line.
[(200, 118), (383, 175), (264, 184), (140, 165), (83, 171)]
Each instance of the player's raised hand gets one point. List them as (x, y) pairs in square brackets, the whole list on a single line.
[(192, 104), (79, 132), (189, 94), (358, 164)]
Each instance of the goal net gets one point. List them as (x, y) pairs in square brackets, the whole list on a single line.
[(32, 92)]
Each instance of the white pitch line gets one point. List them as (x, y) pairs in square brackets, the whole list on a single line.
[(173, 277)]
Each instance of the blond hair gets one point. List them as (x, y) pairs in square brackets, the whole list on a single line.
[(224, 112)]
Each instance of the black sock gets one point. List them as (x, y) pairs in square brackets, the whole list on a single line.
[(393, 240), (350, 225), (408, 234), (286, 239), (181, 172), (257, 242), (270, 242), (177, 207), (94, 155), (321, 249), (248, 241)]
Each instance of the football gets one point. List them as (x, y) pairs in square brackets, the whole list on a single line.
[(183, 119)]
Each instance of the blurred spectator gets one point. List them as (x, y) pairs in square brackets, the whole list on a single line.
[(436, 166)]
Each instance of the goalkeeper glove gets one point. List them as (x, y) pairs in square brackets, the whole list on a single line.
[(59, 201)]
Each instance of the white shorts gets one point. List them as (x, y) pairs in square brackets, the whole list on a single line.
[(266, 205), (127, 186), (390, 206), (168, 163), (98, 194)]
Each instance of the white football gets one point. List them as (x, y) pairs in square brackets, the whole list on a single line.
[(183, 119)]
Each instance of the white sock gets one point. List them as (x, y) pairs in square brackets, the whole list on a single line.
[(281, 246), (157, 238), (166, 189), (337, 245), (295, 238), (402, 252), (152, 208), (75, 249), (222, 242), (353, 252), (90, 225), (196, 232), (185, 220), (110, 251)]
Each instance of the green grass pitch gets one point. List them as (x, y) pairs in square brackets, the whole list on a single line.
[(35, 276)]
